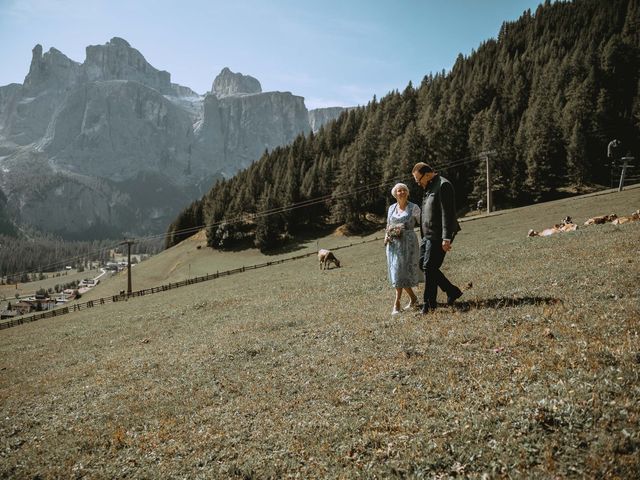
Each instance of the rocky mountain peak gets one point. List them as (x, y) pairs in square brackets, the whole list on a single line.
[(322, 116), (36, 53), (53, 69), (229, 83), (117, 60), (119, 42), (123, 149)]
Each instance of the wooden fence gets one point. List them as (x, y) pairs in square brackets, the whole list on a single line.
[(162, 288)]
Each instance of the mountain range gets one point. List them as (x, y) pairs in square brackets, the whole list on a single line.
[(110, 147)]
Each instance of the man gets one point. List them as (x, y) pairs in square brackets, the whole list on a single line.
[(438, 226)]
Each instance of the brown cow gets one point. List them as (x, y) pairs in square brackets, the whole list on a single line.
[(601, 219), (634, 217), (566, 226), (326, 257)]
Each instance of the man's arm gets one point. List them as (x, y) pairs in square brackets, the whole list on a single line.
[(447, 208)]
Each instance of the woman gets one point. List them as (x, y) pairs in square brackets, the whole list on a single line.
[(402, 246)]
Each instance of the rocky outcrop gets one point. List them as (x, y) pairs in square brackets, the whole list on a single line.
[(117, 60), (27, 111), (8, 97), (320, 116), (118, 128), (182, 91), (52, 71), (229, 83), (111, 147), (254, 123), (236, 130)]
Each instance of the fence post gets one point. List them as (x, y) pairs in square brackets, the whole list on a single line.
[(625, 165)]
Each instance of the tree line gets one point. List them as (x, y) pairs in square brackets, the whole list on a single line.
[(29, 259), (547, 95)]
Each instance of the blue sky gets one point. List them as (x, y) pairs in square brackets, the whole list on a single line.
[(332, 52)]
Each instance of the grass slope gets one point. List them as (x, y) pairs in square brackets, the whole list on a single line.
[(292, 371)]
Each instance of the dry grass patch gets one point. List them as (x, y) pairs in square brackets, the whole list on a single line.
[(289, 371)]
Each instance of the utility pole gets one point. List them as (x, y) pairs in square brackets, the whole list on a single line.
[(128, 243), (486, 156), (613, 147), (625, 165)]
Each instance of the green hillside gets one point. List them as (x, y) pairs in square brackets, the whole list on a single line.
[(545, 98), (292, 371)]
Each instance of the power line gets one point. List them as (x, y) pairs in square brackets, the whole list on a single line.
[(264, 213), (306, 203), (310, 202)]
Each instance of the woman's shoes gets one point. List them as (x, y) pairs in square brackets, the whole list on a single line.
[(411, 306)]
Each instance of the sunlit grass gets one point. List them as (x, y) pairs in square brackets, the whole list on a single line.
[(290, 370)]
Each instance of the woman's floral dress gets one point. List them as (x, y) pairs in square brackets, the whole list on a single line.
[(403, 251)]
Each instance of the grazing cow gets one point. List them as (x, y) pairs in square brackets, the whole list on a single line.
[(326, 257)]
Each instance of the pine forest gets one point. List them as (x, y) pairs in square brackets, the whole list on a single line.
[(542, 101)]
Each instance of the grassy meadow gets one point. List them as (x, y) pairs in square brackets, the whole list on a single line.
[(289, 371)]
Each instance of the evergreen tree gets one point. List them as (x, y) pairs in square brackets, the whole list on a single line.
[(548, 96), (636, 109), (345, 207), (578, 129), (544, 155), (268, 227)]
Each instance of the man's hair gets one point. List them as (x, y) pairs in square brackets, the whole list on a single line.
[(422, 168)]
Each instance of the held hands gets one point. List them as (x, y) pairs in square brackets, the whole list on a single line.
[(446, 245)]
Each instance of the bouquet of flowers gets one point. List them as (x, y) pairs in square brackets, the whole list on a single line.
[(392, 233)]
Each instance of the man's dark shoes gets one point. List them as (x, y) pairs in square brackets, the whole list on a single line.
[(453, 297), (426, 309)]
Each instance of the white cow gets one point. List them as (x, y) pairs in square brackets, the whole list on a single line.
[(326, 257)]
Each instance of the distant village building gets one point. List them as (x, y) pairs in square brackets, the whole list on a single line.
[(69, 294), (24, 307), (7, 314), (65, 296), (89, 282), (34, 304)]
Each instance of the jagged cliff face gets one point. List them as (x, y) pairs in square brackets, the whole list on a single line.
[(118, 61), (247, 133), (115, 129), (111, 147), (321, 116), (229, 83), (236, 130)]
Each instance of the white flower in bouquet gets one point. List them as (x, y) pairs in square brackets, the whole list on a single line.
[(393, 233)]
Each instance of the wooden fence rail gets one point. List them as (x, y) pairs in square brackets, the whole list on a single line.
[(162, 288)]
